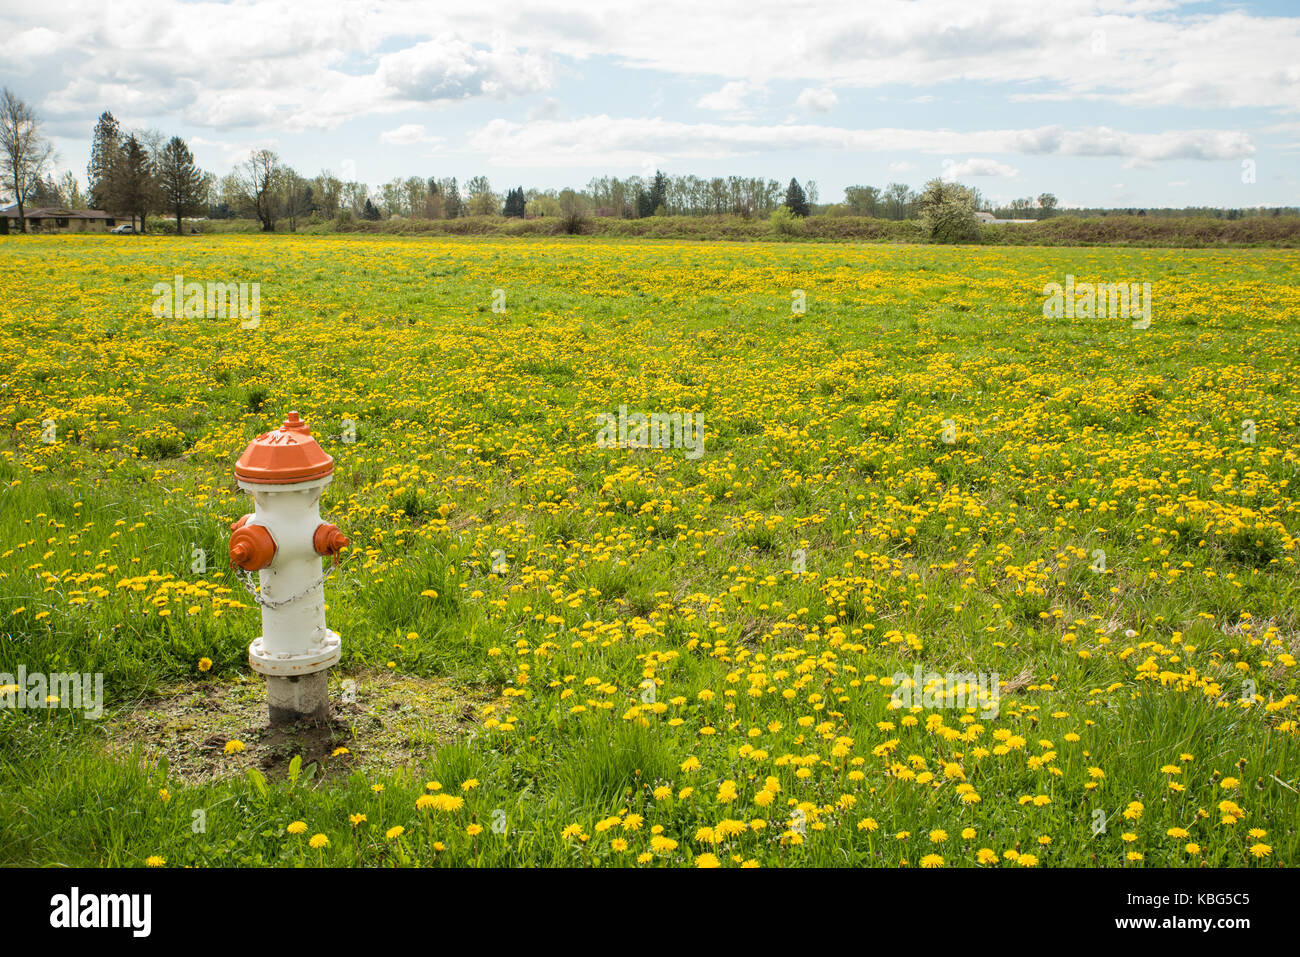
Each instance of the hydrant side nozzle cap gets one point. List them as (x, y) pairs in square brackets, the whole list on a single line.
[(328, 540), (284, 457), (252, 548)]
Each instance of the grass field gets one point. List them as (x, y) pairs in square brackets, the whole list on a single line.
[(677, 660)]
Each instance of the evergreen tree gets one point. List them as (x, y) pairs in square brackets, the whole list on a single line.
[(795, 200), (658, 199), (180, 182), (516, 205), (45, 193), (453, 205), (105, 148), (371, 212), (132, 187)]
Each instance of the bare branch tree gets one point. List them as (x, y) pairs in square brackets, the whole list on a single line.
[(26, 153), (258, 182)]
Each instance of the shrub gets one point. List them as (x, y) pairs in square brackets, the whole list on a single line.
[(948, 213), (784, 222)]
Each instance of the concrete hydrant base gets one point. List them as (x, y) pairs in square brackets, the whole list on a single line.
[(299, 698)]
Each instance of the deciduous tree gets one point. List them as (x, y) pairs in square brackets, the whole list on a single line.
[(257, 183), (24, 152)]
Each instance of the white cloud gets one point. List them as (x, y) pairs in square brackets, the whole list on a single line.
[(448, 68), (408, 134), (549, 108), (977, 166), (20, 48), (270, 68), (230, 152), (315, 66), (730, 99), (605, 140), (819, 100)]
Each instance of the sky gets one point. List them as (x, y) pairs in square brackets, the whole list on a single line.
[(1143, 103)]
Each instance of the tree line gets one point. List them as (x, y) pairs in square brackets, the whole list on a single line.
[(144, 172)]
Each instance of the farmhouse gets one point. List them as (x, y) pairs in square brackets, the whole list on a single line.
[(986, 217), (54, 219)]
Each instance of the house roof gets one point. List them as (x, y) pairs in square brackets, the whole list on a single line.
[(48, 212)]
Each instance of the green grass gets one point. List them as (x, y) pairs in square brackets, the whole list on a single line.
[(829, 537)]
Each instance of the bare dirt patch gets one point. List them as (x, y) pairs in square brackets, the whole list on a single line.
[(390, 721)]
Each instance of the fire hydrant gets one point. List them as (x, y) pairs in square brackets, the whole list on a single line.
[(284, 540)]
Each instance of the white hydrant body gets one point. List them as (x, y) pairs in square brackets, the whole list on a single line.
[(294, 639), (284, 540)]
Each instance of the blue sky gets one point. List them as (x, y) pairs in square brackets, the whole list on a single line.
[(1102, 103)]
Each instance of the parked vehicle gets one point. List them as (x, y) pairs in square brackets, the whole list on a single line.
[(124, 228)]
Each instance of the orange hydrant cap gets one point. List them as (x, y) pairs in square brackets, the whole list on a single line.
[(251, 547), (285, 456), (328, 540)]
